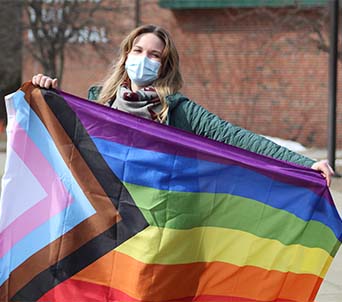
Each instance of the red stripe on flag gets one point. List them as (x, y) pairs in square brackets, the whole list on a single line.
[(82, 291)]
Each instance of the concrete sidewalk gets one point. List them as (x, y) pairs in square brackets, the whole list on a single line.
[(331, 289)]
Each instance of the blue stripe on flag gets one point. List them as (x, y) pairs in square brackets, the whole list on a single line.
[(152, 169)]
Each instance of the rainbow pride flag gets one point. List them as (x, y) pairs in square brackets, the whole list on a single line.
[(98, 205)]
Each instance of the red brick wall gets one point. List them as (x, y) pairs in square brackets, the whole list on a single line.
[(239, 68)]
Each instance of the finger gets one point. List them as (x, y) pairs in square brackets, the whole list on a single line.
[(331, 170), (54, 83), (325, 169), (328, 179), (41, 81), (45, 82), (327, 173), (36, 79)]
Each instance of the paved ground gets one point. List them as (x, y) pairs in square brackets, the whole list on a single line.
[(331, 289)]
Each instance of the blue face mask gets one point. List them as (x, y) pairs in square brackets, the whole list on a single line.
[(142, 70)]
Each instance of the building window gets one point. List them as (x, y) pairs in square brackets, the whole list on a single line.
[(196, 4)]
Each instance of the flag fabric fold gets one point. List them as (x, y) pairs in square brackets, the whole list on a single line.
[(100, 205)]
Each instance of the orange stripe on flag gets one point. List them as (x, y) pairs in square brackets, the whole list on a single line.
[(155, 282)]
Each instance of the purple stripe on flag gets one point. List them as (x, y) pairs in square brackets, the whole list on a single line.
[(130, 130), (43, 209)]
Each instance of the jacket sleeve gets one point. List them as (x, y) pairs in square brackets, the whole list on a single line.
[(192, 117)]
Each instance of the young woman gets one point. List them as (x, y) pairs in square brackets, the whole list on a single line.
[(146, 80)]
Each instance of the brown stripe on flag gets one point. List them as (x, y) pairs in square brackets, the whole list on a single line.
[(106, 214)]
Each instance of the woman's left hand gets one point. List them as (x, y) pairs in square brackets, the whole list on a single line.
[(325, 169)]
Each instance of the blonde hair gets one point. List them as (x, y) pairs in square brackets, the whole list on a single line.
[(169, 78)]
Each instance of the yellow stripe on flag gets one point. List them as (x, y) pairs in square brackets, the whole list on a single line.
[(207, 244)]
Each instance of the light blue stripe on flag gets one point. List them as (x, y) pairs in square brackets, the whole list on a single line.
[(79, 210)]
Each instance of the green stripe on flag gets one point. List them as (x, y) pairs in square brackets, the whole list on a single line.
[(185, 210)]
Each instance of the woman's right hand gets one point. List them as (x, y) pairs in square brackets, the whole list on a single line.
[(44, 81)]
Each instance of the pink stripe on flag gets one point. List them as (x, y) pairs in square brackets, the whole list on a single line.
[(57, 196)]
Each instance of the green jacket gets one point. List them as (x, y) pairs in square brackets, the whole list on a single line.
[(187, 115)]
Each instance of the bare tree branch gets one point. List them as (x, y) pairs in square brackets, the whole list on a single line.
[(10, 51), (54, 26)]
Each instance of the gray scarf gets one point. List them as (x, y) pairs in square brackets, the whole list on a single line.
[(144, 102)]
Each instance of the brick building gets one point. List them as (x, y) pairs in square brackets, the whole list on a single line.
[(243, 60)]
